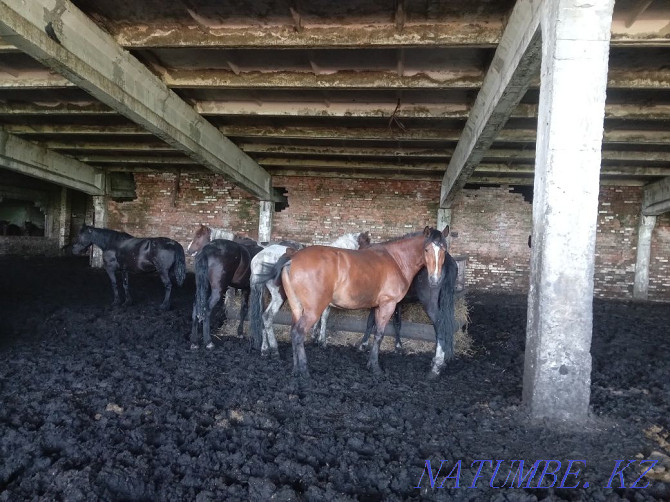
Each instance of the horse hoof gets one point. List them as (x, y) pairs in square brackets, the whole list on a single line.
[(194, 346), (362, 348), (164, 307), (209, 346), (375, 369), (265, 354), (433, 375), (275, 354)]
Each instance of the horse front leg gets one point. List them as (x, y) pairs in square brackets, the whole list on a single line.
[(126, 289), (363, 344), (382, 316), (111, 272), (206, 322), (244, 310), (444, 338), (322, 329), (167, 283)]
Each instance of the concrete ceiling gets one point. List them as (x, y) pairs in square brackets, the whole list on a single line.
[(362, 89)]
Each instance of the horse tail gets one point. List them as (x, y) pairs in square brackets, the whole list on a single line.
[(256, 313), (273, 272), (179, 265), (201, 285), (446, 324)]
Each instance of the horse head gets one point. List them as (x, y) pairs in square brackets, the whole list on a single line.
[(435, 249), (363, 240), (84, 239), (202, 236)]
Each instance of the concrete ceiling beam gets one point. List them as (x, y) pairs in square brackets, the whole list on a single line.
[(515, 64), (32, 160), (87, 56)]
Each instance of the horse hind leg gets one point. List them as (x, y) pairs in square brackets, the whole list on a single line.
[(194, 328), (126, 289), (397, 325), (269, 343), (322, 328), (298, 330), (206, 322), (244, 310)]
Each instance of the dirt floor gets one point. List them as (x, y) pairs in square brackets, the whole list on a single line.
[(102, 403)]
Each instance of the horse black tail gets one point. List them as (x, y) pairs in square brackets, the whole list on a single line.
[(256, 313), (201, 285), (179, 265), (447, 325)]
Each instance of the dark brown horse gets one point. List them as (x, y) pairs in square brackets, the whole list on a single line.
[(125, 253), (204, 235), (378, 276), (220, 264)]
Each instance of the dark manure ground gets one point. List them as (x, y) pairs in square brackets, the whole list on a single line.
[(102, 403)]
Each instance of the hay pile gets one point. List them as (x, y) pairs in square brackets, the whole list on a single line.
[(410, 313)]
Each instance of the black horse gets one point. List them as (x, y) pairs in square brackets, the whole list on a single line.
[(438, 303), (125, 253), (218, 266)]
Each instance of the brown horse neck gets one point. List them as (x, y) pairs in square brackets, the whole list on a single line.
[(408, 254)]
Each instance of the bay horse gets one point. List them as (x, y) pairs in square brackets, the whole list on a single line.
[(261, 326), (437, 301), (124, 253), (220, 264), (377, 276)]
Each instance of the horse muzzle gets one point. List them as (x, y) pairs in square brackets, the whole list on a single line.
[(434, 280)]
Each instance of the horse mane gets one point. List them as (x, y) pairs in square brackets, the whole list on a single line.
[(395, 239), (103, 237)]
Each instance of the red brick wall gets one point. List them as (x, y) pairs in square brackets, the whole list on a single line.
[(322, 209), (493, 224), (616, 241)]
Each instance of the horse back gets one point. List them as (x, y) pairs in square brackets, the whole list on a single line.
[(355, 278)]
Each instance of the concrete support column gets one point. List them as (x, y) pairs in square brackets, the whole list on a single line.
[(443, 217), (100, 221), (64, 215), (644, 231), (575, 50), (266, 210)]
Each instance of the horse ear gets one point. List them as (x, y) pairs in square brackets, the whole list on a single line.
[(426, 231), (445, 232)]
